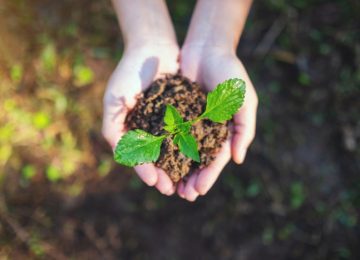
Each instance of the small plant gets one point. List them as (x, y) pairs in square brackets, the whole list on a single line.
[(137, 146)]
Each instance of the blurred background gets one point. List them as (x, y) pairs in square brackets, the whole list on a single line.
[(296, 197)]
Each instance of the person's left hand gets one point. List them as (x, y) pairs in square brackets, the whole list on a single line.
[(210, 66)]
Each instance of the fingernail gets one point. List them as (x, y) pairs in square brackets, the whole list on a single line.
[(170, 191), (242, 154)]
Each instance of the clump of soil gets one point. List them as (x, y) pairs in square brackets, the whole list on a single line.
[(190, 101)]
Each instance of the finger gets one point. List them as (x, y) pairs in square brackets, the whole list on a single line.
[(244, 132), (190, 192), (147, 173), (172, 191), (164, 183), (207, 176), (244, 129), (181, 189)]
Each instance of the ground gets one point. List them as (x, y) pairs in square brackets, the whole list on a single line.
[(296, 197)]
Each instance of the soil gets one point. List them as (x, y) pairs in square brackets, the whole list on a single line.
[(297, 196), (190, 101)]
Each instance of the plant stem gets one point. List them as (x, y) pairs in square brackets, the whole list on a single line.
[(194, 121)]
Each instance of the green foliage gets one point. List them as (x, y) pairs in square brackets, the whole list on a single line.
[(41, 120), (174, 123), (104, 167), (297, 195), (233, 183), (28, 172), (49, 57), (138, 147), (16, 73), (268, 235), (135, 183), (53, 173), (344, 253), (285, 232), (172, 119), (225, 100), (35, 245), (83, 75), (253, 189), (187, 145), (304, 79)]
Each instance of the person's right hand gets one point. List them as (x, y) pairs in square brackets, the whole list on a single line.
[(139, 66)]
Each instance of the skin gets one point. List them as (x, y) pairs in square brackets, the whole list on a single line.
[(208, 56), (151, 50)]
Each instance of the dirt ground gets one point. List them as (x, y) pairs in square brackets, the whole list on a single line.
[(296, 197)]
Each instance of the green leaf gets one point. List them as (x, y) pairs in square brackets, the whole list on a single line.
[(137, 147), (53, 173), (83, 75), (41, 120), (187, 145), (170, 128), (28, 172), (297, 195), (174, 122), (172, 119), (184, 127), (225, 100), (172, 116), (49, 57), (16, 73)]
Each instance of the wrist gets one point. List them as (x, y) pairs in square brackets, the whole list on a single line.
[(206, 49), (164, 51), (210, 44), (150, 43)]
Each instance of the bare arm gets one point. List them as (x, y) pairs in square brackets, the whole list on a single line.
[(218, 23), (150, 51), (209, 57), (144, 22)]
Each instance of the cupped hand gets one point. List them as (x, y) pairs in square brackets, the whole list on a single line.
[(139, 66), (210, 66)]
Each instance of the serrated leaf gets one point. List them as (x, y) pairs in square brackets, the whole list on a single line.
[(174, 122), (184, 127), (170, 128), (225, 100), (187, 145), (172, 118), (137, 147)]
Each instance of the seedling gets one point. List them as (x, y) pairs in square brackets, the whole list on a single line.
[(137, 146)]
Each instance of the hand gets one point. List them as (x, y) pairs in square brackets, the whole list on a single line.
[(139, 66), (210, 66)]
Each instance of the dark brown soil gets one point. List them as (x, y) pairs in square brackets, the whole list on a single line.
[(297, 196), (190, 101)]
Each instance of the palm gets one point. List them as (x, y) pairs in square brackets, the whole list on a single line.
[(209, 68), (137, 69)]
